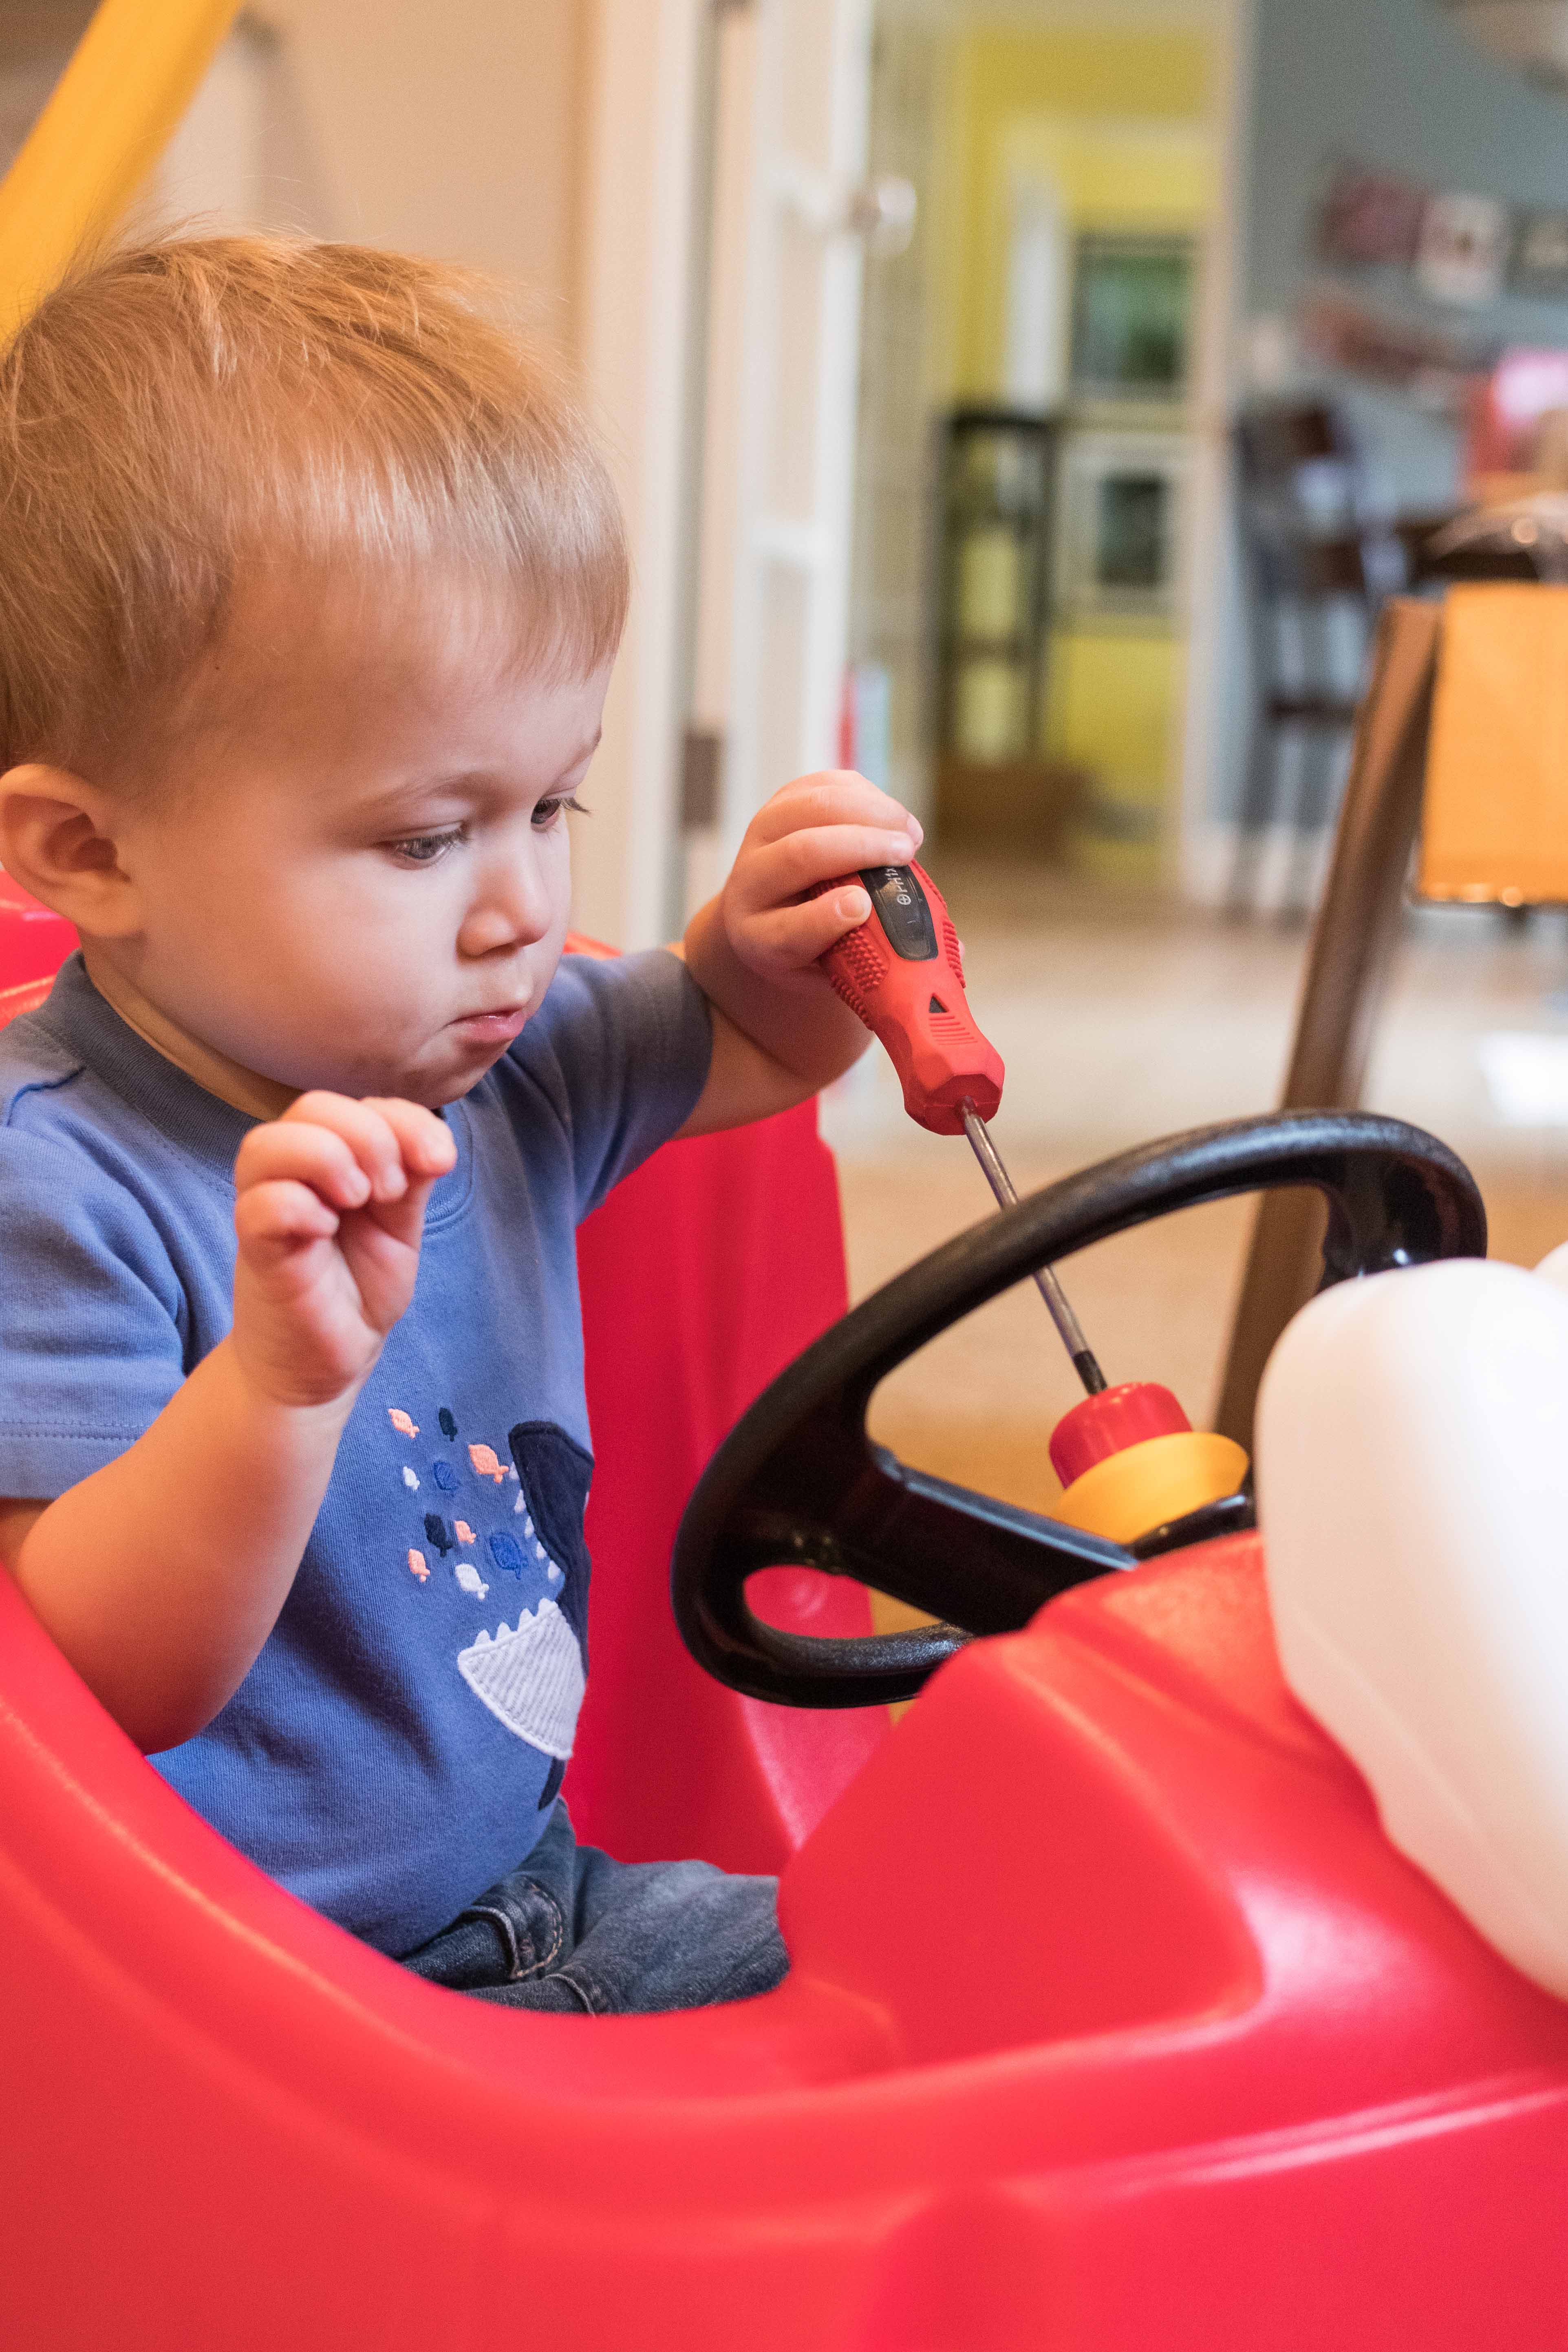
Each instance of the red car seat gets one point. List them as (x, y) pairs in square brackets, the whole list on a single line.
[(34, 943)]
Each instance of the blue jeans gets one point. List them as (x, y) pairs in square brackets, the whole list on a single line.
[(571, 1930)]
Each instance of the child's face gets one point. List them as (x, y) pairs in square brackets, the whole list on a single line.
[(358, 874)]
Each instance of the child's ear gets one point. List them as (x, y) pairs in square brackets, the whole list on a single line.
[(56, 840)]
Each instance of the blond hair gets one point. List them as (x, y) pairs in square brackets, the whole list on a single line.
[(188, 408)]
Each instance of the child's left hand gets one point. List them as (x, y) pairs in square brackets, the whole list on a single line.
[(811, 831)]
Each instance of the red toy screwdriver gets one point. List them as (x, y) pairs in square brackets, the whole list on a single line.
[(901, 973)]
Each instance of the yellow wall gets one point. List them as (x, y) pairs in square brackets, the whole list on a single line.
[(1119, 118), (1113, 707), (1121, 121)]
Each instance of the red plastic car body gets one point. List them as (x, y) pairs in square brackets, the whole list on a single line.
[(1114, 2020)]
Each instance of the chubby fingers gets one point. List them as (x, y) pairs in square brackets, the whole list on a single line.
[(350, 1154), (274, 1216), (816, 830), (832, 796), (425, 1141), (775, 872), (786, 939), (798, 936)]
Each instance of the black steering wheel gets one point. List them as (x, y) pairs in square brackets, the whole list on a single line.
[(798, 1481)]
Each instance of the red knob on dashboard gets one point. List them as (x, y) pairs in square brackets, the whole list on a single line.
[(1110, 1423)]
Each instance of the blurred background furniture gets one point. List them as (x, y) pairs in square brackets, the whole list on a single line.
[(1457, 741), (1523, 539), (1319, 561), (1513, 524), (1347, 970), (996, 504), (1323, 554)]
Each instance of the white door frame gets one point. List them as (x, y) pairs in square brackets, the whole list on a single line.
[(642, 314), (635, 317), (1202, 861), (801, 533)]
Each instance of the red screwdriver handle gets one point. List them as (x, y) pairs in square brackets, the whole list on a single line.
[(901, 973)]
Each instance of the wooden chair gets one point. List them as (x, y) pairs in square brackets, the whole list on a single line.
[(1346, 976)]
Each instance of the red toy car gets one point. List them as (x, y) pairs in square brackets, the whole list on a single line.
[(1114, 2020)]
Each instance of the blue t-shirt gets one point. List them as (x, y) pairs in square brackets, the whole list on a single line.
[(397, 1744)]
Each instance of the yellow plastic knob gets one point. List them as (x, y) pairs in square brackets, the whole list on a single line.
[(1146, 1485)]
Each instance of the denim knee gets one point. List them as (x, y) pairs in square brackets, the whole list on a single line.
[(571, 1930)]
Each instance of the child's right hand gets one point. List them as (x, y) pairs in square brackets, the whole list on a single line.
[(328, 1214)]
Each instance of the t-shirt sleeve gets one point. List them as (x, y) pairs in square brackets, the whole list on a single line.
[(621, 1046), (90, 1341)]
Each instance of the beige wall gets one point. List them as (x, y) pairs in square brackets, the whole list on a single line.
[(551, 144), (636, 351), (449, 127), (547, 141)]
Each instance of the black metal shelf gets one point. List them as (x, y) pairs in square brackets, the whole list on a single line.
[(996, 475)]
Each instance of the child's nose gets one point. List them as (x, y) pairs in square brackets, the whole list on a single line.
[(511, 909)]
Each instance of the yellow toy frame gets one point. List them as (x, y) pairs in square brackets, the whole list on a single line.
[(129, 81)]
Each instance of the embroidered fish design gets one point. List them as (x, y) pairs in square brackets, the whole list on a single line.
[(505, 1554)]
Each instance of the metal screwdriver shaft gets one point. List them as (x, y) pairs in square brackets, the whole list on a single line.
[(1084, 1361), (901, 973)]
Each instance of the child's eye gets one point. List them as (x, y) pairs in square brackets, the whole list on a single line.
[(425, 848), (546, 811)]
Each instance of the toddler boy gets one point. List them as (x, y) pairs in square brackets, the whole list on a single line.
[(310, 581)]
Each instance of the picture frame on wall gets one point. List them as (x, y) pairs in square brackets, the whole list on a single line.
[(1370, 220), (1464, 249), (1132, 297)]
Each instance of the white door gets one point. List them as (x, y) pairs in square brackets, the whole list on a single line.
[(790, 219)]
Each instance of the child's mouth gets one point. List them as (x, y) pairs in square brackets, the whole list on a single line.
[(493, 1028)]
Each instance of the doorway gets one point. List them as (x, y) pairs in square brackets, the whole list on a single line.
[(1034, 389)]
